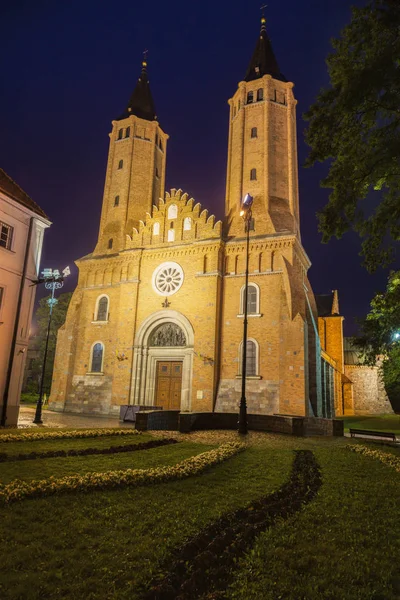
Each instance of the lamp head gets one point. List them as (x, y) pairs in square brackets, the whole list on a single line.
[(247, 201), (66, 272)]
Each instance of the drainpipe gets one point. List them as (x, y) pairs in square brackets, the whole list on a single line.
[(16, 325)]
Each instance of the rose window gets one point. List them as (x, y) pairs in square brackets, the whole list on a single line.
[(167, 278)]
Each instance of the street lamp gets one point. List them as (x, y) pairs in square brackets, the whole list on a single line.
[(52, 281), (245, 212)]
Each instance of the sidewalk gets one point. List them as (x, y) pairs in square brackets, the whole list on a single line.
[(59, 420)]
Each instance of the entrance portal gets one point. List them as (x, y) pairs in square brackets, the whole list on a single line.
[(169, 384)]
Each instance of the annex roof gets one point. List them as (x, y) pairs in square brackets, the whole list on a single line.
[(11, 189)]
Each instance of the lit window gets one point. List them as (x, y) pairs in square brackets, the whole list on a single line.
[(250, 96), (97, 358), (116, 201), (128, 132), (110, 243), (102, 309), (254, 132), (120, 134), (172, 211), (187, 224), (156, 229), (120, 164), (260, 94), (6, 235), (251, 358), (253, 174), (252, 299), (171, 235)]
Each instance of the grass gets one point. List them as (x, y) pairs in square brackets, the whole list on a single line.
[(345, 545), (390, 423), (106, 544)]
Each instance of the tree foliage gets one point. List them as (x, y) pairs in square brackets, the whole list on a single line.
[(355, 125), (42, 319), (380, 336)]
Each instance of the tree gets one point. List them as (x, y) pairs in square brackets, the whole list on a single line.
[(355, 125), (42, 318), (380, 336)]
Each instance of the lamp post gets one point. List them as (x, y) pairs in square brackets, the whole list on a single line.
[(246, 214), (52, 281)]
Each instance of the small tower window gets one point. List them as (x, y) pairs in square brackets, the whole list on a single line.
[(110, 243), (172, 211), (187, 224), (102, 309), (250, 96), (97, 358), (171, 235), (156, 139), (161, 145), (260, 94), (234, 111), (116, 201), (156, 229), (120, 164), (120, 134), (254, 132), (128, 132), (239, 105), (157, 173), (253, 174)]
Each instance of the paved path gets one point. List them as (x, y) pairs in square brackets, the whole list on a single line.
[(55, 419)]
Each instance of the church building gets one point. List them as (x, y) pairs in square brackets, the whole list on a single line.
[(157, 315)]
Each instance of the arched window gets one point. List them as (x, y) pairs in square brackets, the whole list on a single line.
[(253, 174), (110, 243), (172, 211), (120, 164), (156, 229), (171, 235), (253, 299), (250, 97), (102, 309), (260, 94), (187, 224), (97, 358), (251, 358), (253, 132), (120, 134), (116, 201), (128, 132)]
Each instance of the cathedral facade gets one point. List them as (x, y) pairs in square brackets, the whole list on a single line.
[(157, 315)]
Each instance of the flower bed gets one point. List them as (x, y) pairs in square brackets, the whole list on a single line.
[(4, 457), (19, 490), (216, 549), (391, 460), (33, 436)]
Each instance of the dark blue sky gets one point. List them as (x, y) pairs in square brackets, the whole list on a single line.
[(68, 68)]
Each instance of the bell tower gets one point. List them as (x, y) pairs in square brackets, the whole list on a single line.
[(135, 176), (262, 147)]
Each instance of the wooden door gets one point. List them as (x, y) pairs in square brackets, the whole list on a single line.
[(169, 384)]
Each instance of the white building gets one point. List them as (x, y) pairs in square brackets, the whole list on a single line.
[(22, 226)]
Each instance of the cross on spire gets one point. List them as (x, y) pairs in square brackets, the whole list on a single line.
[(262, 9)]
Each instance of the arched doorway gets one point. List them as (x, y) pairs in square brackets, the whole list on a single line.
[(163, 361)]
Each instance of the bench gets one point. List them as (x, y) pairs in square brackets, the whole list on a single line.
[(127, 412), (382, 434)]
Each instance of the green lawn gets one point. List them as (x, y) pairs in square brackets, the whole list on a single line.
[(374, 423), (107, 544)]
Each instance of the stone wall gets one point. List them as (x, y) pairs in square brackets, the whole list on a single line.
[(262, 396), (369, 394)]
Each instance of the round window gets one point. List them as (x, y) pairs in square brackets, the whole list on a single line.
[(167, 278)]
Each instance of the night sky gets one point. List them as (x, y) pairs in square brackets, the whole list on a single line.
[(68, 69)]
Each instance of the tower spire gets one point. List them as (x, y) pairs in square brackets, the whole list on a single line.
[(263, 61), (141, 102)]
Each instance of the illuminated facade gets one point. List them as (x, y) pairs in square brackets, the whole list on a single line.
[(157, 316)]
